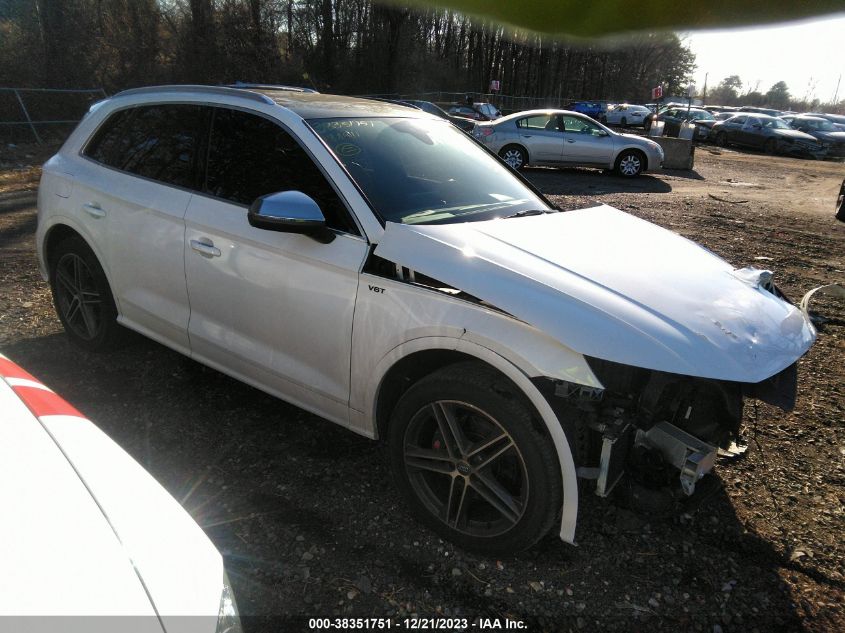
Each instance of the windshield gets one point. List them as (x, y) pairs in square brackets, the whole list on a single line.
[(701, 115), (775, 124), (421, 171), (816, 124)]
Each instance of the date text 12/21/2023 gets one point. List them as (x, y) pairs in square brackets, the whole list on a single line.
[(415, 624)]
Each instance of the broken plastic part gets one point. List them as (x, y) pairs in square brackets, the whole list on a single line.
[(834, 290)]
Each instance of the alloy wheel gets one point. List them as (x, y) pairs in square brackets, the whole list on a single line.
[(630, 165), (465, 468), (513, 157), (78, 297)]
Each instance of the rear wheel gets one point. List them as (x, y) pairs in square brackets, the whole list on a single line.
[(82, 296), (514, 156), (469, 461), (630, 163), (722, 139)]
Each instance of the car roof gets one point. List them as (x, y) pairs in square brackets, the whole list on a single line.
[(308, 105), (529, 113)]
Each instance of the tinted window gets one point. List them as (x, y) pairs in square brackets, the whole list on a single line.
[(250, 156), (157, 142)]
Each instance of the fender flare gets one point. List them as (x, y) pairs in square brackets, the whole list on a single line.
[(569, 512), (68, 222)]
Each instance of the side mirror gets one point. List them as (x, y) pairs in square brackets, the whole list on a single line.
[(290, 212)]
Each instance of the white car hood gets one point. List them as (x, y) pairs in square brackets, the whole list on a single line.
[(612, 286), (87, 531)]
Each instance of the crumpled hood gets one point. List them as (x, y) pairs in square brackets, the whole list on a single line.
[(610, 285)]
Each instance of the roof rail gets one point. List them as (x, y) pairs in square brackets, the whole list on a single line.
[(240, 84), (219, 90)]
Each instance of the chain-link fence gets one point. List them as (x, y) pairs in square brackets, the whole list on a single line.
[(43, 114)]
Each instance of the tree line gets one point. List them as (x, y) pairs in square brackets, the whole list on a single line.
[(346, 46)]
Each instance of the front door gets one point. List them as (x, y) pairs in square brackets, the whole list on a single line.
[(275, 309), (586, 143)]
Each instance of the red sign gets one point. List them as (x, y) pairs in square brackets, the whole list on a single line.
[(495, 85), (657, 93)]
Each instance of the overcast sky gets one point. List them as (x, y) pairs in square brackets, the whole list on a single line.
[(809, 56)]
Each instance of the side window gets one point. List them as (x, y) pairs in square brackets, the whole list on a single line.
[(740, 120), (107, 141), (250, 156), (579, 126), (540, 122), (157, 142)]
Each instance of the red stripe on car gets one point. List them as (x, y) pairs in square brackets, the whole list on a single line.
[(43, 402), (8, 369)]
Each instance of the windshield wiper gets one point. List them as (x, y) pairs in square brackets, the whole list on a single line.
[(522, 214)]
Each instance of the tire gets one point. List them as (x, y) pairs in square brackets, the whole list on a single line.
[(82, 297), (771, 147), (498, 488), (515, 156), (624, 121), (722, 139), (630, 163)]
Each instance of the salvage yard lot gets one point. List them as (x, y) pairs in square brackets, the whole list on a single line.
[(305, 512)]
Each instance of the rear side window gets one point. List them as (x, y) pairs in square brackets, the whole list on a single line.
[(159, 142), (250, 156)]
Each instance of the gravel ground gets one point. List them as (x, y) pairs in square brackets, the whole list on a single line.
[(305, 512)]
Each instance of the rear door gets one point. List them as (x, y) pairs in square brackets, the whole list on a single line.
[(542, 135), (275, 309), (733, 129), (150, 154)]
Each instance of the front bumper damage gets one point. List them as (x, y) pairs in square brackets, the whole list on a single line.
[(658, 431)]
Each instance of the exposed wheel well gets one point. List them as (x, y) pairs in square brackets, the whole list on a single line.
[(416, 366), (55, 236)]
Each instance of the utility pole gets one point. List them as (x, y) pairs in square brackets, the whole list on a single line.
[(704, 90), (836, 94)]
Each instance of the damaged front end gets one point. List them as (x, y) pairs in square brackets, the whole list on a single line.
[(660, 431)]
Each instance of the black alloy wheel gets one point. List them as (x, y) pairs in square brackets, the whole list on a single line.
[(82, 297), (468, 459)]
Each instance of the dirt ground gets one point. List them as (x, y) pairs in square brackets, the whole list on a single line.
[(309, 523)]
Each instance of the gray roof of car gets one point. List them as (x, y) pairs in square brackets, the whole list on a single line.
[(324, 106), (308, 105)]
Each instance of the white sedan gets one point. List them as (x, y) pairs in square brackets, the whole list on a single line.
[(88, 533), (627, 115)]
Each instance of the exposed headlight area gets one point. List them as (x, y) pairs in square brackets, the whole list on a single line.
[(659, 432)]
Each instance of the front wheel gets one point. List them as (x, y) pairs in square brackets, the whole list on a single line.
[(467, 458), (722, 139), (514, 156), (624, 121), (630, 163), (82, 296), (771, 147)]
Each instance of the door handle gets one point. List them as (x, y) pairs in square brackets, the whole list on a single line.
[(94, 210), (526, 136), (569, 140), (205, 247)]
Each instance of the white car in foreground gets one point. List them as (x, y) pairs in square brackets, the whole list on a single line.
[(372, 264), (89, 541)]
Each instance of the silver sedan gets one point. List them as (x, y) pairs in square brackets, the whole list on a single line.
[(562, 138)]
